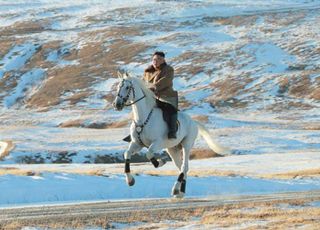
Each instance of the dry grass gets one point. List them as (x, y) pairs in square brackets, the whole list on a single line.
[(118, 124), (59, 82), (94, 125), (295, 174), (17, 172), (201, 118), (260, 214), (285, 19), (72, 123), (201, 173), (192, 172), (264, 215), (237, 20), (105, 48), (24, 27), (95, 62), (139, 168), (202, 154), (68, 222), (229, 88), (300, 86), (5, 45), (312, 126), (26, 172)]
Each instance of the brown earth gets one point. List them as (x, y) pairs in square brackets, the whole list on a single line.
[(105, 48), (275, 211)]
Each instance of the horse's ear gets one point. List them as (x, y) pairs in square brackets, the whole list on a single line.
[(120, 75)]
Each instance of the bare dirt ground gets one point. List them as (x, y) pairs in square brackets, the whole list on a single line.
[(272, 211)]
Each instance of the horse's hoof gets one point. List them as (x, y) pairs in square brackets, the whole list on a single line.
[(176, 188), (131, 183), (180, 195), (175, 192)]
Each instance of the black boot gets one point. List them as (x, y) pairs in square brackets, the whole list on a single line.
[(172, 126), (127, 138)]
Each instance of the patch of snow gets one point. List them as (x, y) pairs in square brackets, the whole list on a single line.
[(135, 69), (127, 225), (106, 86), (314, 77), (203, 109), (37, 177), (180, 83), (26, 84), (31, 228), (198, 95), (268, 57), (315, 204), (171, 50), (17, 57), (56, 56), (211, 36), (78, 144), (18, 190)]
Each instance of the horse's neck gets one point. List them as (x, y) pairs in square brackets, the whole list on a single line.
[(142, 108)]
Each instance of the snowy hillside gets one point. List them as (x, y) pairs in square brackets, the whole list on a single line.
[(242, 55), (248, 69)]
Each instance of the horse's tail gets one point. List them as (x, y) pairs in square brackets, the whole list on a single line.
[(212, 144)]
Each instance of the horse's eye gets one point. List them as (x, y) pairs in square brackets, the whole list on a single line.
[(127, 87)]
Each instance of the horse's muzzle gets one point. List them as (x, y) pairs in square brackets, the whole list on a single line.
[(117, 104)]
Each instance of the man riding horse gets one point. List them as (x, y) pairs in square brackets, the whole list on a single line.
[(159, 75), (148, 128)]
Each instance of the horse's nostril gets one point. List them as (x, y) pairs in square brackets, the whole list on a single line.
[(117, 105)]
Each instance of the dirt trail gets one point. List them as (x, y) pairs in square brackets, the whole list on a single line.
[(153, 210)]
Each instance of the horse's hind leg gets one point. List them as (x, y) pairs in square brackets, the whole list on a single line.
[(179, 188), (175, 154)]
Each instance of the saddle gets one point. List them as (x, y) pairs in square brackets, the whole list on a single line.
[(167, 117)]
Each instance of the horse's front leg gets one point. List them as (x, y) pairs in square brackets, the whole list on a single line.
[(179, 188), (133, 148), (154, 148)]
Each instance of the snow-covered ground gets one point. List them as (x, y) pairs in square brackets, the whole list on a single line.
[(249, 68), (65, 188)]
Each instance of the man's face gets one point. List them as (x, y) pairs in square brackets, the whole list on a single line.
[(157, 61)]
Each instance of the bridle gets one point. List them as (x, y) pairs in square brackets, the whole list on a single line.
[(138, 128), (131, 88)]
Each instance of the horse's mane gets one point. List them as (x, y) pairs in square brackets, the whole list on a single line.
[(149, 94)]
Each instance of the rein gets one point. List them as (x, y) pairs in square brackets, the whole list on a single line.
[(132, 103), (125, 99), (139, 128)]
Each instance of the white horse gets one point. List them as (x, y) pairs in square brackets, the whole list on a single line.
[(148, 129)]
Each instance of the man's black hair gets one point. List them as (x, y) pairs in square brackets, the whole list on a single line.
[(159, 53)]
